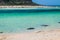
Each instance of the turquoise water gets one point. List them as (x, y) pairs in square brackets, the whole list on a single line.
[(15, 21)]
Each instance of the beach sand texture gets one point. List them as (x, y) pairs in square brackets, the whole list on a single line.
[(39, 35)]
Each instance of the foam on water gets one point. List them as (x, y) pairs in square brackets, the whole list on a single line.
[(15, 22)]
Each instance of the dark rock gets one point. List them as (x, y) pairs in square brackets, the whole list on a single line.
[(1, 32), (44, 25), (58, 22), (30, 28)]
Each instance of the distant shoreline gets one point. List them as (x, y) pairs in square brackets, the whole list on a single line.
[(23, 6)]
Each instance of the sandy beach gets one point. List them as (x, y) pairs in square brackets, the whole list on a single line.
[(23, 6), (39, 35)]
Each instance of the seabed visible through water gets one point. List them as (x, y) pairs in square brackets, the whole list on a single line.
[(16, 21)]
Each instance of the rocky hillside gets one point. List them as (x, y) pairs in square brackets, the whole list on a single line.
[(17, 2)]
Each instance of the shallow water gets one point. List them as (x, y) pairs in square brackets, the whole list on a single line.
[(18, 21)]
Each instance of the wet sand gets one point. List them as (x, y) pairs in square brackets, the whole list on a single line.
[(38, 35)]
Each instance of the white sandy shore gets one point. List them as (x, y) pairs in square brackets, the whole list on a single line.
[(39, 35), (23, 6)]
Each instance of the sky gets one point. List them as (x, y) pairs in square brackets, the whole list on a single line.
[(47, 2)]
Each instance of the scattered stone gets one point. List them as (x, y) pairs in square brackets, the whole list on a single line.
[(38, 32), (1, 32), (44, 25), (30, 28), (58, 22)]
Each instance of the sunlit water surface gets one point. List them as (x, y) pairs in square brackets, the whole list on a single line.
[(19, 21)]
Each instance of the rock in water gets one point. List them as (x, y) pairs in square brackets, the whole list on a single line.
[(30, 28)]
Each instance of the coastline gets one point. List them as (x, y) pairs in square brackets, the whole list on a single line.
[(23, 6), (38, 35)]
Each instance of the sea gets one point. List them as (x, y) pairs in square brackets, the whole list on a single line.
[(20, 21)]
